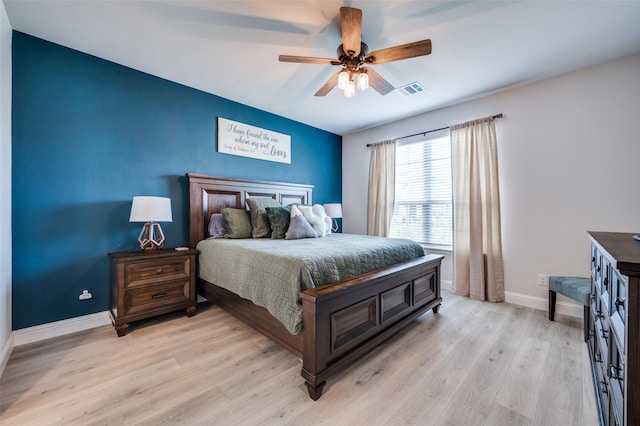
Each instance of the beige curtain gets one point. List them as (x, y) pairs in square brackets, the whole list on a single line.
[(477, 250), (382, 188)]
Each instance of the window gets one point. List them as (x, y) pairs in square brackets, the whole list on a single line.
[(423, 209)]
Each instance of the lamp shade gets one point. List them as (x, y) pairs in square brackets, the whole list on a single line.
[(350, 89), (343, 79), (333, 210), (150, 209), (363, 81)]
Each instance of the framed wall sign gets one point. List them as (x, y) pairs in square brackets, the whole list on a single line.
[(242, 139)]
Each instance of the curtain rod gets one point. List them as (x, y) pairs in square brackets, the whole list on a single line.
[(431, 131)]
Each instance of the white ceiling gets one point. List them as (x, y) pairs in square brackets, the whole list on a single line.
[(231, 48)]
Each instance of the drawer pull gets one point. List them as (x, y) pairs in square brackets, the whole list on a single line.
[(615, 372), (599, 314), (158, 270), (598, 268), (619, 302), (159, 295), (598, 358), (593, 259), (604, 333), (606, 282)]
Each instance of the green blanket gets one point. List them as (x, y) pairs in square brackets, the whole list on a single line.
[(272, 273)]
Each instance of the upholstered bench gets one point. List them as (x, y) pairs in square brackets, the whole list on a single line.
[(576, 288)]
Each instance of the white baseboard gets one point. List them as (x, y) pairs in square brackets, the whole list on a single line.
[(564, 308), (60, 328), (6, 353), (446, 285), (540, 303)]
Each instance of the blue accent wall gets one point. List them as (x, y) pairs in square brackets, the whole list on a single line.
[(88, 135)]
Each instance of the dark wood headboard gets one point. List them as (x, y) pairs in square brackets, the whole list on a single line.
[(210, 194)]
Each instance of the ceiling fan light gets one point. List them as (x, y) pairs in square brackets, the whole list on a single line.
[(343, 79), (350, 89), (363, 81)]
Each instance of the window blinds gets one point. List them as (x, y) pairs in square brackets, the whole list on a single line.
[(423, 206)]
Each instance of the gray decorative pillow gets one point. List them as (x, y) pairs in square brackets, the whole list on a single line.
[(279, 218), (237, 222), (259, 217), (217, 229), (299, 227)]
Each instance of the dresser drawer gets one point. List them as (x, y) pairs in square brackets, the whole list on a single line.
[(605, 297), (143, 299), (596, 305), (602, 390), (596, 268), (603, 337), (153, 271), (616, 382), (618, 303)]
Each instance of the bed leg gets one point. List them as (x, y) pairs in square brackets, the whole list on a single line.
[(315, 391), (191, 311), (436, 308)]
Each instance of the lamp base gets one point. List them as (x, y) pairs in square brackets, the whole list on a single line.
[(151, 237)]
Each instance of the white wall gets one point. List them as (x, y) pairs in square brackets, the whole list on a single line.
[(5, 188), (569, 153)]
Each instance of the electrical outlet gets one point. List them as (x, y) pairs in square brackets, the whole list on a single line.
[(543, 279), (86, 294)]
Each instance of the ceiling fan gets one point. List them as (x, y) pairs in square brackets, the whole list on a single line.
[(353, 54)]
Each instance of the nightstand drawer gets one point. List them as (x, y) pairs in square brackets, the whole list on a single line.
[(142, 273), (142, 299)]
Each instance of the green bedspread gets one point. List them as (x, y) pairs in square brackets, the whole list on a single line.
[(272, 273)]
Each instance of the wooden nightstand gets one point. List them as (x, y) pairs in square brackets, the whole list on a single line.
[(146, 284)]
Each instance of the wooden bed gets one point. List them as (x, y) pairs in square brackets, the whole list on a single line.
[(342, 321)]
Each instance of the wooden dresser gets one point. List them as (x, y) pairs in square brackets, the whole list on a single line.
[(614, 326), (146, 284)]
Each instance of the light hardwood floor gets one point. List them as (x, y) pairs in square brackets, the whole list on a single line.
[(474, 363)]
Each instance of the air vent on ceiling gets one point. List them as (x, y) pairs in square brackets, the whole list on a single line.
[(410, 89)]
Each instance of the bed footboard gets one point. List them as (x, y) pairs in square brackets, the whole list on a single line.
[(346, 320)]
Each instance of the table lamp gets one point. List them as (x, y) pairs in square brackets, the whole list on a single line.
[(334, 211), (151, 210)]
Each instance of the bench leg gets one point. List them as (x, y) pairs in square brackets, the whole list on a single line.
[(552, 305)]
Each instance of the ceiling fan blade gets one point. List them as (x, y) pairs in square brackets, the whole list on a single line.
[(376, 81), (308, 60), (404, 51), (351, 28), (329, 85)]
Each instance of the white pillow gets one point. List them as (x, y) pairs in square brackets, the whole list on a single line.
[(318, 219)]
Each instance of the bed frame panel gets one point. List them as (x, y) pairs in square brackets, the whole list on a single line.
[(342, 321)]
